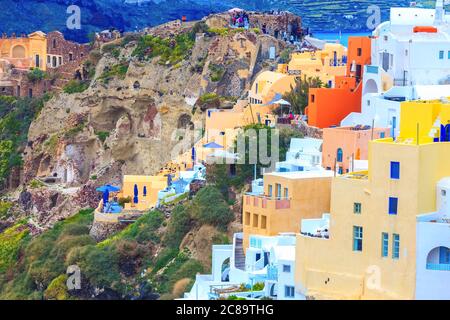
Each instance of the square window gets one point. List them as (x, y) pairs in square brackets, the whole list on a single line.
[(286, 268), (357, 238), (289, 291), (384, 244), (395, 246), (357, 208), (393, 205), (395, 170), (382, 135)]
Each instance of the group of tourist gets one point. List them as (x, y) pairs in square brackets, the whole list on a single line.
[(240, 19)]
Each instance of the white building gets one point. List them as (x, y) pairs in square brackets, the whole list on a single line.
[(305, 154), (433, 248), (268, 261), (410, 61)]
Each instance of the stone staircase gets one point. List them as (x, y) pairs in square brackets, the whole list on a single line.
[(239, 257)]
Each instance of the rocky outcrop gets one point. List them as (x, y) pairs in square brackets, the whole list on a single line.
[(132, 124)]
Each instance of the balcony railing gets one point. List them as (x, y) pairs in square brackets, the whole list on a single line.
[(438, 266), (265, 202)]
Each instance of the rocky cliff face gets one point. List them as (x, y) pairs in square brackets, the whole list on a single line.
[(130, 124)]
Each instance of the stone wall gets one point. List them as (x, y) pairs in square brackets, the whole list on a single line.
[(70, 51)]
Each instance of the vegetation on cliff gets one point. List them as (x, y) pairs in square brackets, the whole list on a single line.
[(143, 259), (16, 115)]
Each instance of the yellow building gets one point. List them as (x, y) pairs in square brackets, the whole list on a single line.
[(25, 52), (325, 64), (288, 197), (146, 198), (371, 249), (423, 120)]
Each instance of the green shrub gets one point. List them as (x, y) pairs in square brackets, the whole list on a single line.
[(170, 51), (35, 184), (178, 226), (4, 208), (11, 240), (102, 135), (57, 289), (201, 209), (217, 72), (76, 86), (116, 71), (36, 75)]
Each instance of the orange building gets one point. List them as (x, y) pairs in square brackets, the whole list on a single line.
[(328, 106), (342, 146)]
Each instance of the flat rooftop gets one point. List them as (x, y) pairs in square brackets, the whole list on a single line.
[(303, 174)]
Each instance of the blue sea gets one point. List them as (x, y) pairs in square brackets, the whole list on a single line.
[(342, 38)]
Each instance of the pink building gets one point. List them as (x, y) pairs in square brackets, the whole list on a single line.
[(343, 146)]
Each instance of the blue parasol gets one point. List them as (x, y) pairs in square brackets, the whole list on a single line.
[(136, 192), (106, 189)]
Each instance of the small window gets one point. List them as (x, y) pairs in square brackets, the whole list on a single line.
[(357, 238), (289, 291), (357, 208), (359, 52), (441, 55), (313, 98), (393, 205), (395, 170), (263, 222), (270, 191), (247, 219), (339, 155), (278, 190), (448, 54), (255, 221), (286, 268), (443, 193), (382, 135), (384, 244), (395, 246), (286, 193)]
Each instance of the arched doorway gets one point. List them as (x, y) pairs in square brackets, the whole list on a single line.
[(439, 259), (225, 270), (370, 87)]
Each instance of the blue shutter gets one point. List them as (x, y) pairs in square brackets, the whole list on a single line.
[(395, 170), (393, 204)]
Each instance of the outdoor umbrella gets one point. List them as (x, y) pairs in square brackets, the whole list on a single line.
[(136, 192), (194, 155), (106, 189), (282, 103), (212, 145)]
